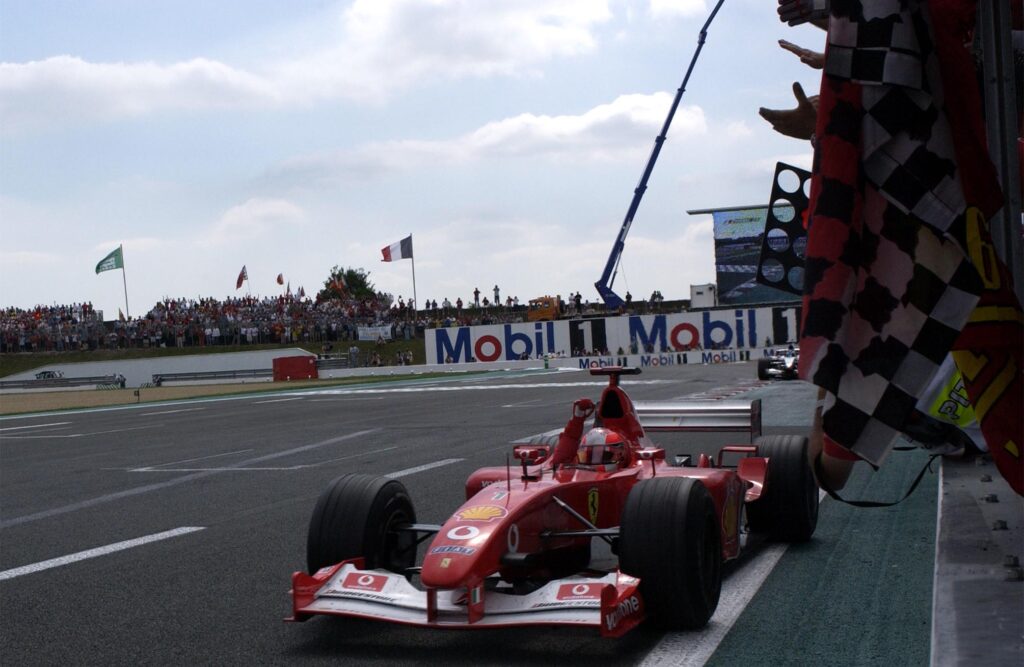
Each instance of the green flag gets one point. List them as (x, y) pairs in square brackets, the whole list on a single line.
[(112, 261)]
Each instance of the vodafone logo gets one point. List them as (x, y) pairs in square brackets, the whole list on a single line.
[(463, 533), (579, 592), (364, 582)]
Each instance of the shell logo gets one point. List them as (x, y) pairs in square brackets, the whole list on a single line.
[(481, 513)]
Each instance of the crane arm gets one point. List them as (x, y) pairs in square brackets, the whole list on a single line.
[(604, 284)]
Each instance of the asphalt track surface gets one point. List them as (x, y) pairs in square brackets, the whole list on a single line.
[(183, 523)]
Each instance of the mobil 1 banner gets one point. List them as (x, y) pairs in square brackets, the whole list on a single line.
[(497, 342), (719, 329), (588, 336)]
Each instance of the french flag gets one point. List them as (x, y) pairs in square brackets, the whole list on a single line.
[(400, 250)]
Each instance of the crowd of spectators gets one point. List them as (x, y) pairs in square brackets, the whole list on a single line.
[(51, 328), (283, 319)]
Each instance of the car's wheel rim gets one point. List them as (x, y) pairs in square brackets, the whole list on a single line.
[(399, 549)]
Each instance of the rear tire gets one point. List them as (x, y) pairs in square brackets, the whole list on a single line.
[(355, 516), (788, 508), (762, 368), (671, 540)]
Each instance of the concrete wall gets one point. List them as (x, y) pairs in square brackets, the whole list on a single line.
[(140, 371)]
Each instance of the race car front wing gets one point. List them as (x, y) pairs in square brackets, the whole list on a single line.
[(611, 602)]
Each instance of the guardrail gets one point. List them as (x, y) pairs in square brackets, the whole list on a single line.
[(332, 363), (694, 416), (60, 383), (160, 378)]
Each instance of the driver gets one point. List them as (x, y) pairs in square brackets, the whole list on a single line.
[(602, 446)]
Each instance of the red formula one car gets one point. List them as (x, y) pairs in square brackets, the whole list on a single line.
[(518, 551)]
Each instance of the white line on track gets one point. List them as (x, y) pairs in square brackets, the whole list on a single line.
[(265, 468), (168, 483), (18, 428), (279, 400), (25, 436), (428, 466), (198, 458), (98, 551), (523, 404), (468, 387), (692, 649), (170, 412)]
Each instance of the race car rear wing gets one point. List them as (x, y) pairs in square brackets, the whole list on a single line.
[(701, 416), (687, 416)]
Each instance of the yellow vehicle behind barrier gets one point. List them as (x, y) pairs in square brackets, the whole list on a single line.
[(544, 308)]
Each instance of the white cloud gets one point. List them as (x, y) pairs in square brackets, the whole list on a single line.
[(379, 46), (663, 8), (64, 89), (619, 129), (140, 244), (738, 130), (256, 217), (547, 259), (386, 44), (17, 260)]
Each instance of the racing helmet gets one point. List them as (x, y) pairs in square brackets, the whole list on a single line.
[(600, 446)]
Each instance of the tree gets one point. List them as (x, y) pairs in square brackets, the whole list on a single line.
[(345, 283)]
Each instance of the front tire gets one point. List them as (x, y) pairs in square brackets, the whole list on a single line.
[(788, 508), (356, 516), (671, 540), (762, 369)]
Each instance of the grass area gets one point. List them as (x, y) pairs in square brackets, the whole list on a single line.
[(27, 361)]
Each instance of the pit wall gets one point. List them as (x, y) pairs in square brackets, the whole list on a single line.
[(722, 331)]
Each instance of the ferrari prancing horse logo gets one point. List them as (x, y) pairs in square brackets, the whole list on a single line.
[(593, 499)]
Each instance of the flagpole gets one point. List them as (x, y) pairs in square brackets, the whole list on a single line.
[(414, 299), (124, 279)]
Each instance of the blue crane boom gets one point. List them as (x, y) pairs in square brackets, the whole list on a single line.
[(604, 284)]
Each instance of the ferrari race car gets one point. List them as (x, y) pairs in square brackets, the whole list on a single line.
[(518, 550), (780, 365)]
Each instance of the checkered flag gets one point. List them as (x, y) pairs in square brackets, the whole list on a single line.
[(889, 283)]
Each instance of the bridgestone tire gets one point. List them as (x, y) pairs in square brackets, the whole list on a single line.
[(762, 368), (671, 540), (788, 508), (355, 516)]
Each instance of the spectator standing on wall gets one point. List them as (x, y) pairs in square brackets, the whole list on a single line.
[(497, 296), (476, 297)]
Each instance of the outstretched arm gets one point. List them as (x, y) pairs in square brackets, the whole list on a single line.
[(797, 123), (806, 56)]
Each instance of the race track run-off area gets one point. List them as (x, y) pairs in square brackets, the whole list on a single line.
[(167, 533)]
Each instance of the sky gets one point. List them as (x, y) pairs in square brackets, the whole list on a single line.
[(505, 136)]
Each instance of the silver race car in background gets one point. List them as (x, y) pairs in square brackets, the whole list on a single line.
[(780, 365)]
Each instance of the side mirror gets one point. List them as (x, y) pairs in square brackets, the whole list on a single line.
[(530, 455)]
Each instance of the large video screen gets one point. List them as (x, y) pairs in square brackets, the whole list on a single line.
[(738, 235)]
